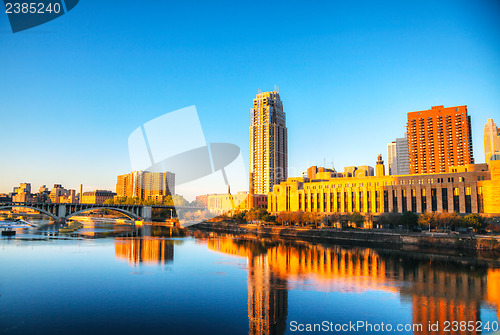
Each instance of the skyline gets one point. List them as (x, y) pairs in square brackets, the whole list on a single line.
[(97, 80)]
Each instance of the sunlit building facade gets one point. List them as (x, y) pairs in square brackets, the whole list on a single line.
[(146, 185), (491, 141), (397, 157), (268, 142), (464, 189), (439, 138), (97, 197)]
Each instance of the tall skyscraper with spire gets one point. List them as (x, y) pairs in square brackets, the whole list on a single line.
[(268, 142), (491, 141)]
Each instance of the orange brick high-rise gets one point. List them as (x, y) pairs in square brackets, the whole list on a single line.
[(438, 138)]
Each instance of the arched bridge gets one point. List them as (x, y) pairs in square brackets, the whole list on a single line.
[(61, 212)]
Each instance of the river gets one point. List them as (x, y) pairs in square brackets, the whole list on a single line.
[(109, 278)]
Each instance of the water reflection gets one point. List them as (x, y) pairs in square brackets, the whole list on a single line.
[(148, 245), (145, 250), (438, 290)]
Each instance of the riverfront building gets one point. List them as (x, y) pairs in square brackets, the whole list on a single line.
[(439, 138), (491, 141), (268, 143), (97, 197), (463, 189), (227, 203), (397, 157), (146, 185)]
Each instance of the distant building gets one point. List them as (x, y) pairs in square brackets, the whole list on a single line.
[(225, 203), (361, 171), (268, 143), (463, 189), (397, 157), (202, 200), (314, 171), (491, 141), (4, 197), (58, 194), (97, 197), (22, 193), (439, 138), (146, 185)]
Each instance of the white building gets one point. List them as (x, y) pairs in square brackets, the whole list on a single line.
[(397, 157)]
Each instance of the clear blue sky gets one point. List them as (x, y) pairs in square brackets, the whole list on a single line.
[(72, 90)]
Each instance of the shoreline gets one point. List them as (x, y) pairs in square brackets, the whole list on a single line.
[(405, 241)]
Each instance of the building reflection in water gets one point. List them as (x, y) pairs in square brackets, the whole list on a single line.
[(439, 291), (150, 244), (144, 250)]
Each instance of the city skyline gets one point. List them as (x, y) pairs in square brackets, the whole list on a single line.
[(116, 75)]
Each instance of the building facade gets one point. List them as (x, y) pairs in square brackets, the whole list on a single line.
[(491, 141), (229, 203), (97, 197), (146, 185), (268, 142), (464, 189), (397, 157), (439, 138)]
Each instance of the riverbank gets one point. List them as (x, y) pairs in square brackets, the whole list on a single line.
[(398, 239)]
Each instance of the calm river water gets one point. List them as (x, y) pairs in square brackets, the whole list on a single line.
[(118, 279)]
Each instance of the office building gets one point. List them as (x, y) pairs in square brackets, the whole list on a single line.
[(397, 157), (97, 197), (268, 143), (491, 141), (146, 185), (463, 189), (229, 203), (439, 138)]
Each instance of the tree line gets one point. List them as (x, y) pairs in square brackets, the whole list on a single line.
[(408, 220)]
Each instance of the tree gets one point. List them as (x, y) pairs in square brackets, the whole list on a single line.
[(448, 220), (409, 219), (357, 218), (475, 221), (427, 220)]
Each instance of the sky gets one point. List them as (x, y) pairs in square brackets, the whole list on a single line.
[(74, 89)]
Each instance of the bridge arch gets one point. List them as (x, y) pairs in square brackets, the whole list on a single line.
[(53, 216), (128, 214)]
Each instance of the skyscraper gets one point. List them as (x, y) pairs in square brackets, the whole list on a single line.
[(146, 185), (397, 157), (438, 138), (491, 141), (268, 142)]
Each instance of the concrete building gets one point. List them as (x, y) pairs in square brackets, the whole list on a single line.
[(22, 193), (491, 141), (146, 185), (439, 138), (58, 194), (268, 143), (225, 203), (463, 189), (397, 157), (97, 197)]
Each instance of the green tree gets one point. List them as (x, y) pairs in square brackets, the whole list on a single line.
[(409, 219), (475, 221), (357, 218)]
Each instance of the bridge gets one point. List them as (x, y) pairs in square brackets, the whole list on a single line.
[(61, 212)]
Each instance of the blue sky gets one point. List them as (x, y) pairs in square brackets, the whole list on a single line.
[(72, 90)]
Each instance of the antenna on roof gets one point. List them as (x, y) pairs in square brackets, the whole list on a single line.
[(259, 91), (276, 88)]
